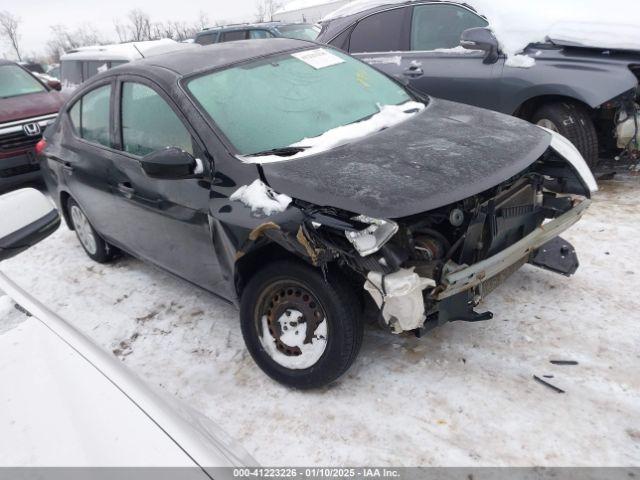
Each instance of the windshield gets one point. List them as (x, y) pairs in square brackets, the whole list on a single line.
[(15, 81), (300, 32), (277, 101)]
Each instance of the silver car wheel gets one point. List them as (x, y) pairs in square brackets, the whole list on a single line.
[(84, 230)]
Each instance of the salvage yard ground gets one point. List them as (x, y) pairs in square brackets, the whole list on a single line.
[(464, 395)]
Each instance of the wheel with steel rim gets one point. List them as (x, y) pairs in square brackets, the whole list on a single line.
[(302, 330), (91, 242)]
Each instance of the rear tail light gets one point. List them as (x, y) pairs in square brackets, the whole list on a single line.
[(40, 146)]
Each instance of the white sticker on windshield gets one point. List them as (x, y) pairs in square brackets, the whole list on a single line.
[(318, 58)]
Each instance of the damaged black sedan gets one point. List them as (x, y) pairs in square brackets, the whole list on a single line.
[(312, 191)]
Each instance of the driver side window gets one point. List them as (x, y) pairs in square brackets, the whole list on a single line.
[(148, 122), (440, 26)]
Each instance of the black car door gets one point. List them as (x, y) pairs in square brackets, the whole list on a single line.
[(381, 39), (86, 157), (163, 221), (437, 64), (420, 45)]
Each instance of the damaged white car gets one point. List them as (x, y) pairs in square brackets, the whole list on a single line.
[(312, 191)]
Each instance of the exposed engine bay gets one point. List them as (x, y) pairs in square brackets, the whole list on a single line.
[(427, 269), (623, 113)]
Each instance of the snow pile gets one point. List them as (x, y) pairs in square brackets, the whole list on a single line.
[(593, 23), (259, 197), (388, 116), (295, 5), (459, 49), (520, 61)]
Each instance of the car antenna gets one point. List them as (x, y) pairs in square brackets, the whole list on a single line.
[(136, 47)]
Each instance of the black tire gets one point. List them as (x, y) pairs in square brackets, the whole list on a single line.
[(574, 122), (99, 251), (333, 298)]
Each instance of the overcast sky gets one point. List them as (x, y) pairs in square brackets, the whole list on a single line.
[(38, 15)]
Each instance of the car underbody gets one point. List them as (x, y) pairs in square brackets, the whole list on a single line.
[(419, 272)]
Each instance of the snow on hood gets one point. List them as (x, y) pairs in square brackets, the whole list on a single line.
[(590, 23), (388, 116), (260, 198)]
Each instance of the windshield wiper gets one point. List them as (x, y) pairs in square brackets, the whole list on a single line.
[(281, 152)]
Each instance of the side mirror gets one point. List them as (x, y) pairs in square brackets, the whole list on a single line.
[(481, 39), (54, 85), (27, 218), (172, 163)]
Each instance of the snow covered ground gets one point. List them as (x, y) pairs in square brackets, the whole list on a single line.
[(462, 396)]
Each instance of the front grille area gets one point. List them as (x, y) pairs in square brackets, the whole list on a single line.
[(20, 170), (18, 140)]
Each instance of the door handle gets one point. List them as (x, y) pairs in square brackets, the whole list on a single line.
[(413, 72), (126, 189), (67, 167)]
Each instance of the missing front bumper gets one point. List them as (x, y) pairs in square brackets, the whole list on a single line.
[(468, 277)]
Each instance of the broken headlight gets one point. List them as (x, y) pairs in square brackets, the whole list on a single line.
[(373, 237)]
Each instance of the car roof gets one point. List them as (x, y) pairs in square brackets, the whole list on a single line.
[(351, 10), (244, 26), (217, 55), (240, 26), (125, 51)]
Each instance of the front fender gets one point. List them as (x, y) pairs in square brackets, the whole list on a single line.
[(591, 77)]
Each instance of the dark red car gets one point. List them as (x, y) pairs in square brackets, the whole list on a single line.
[(27, 106)]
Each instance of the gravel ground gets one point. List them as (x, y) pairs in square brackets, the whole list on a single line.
[(462, 396)]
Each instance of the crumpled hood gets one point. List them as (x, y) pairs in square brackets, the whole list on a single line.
[(27, 106), (444, 154)]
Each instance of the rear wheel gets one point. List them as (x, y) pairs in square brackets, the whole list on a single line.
[(93, 244), (302, 330), (573, 122)]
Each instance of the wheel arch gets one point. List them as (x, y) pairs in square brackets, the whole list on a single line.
[(527, 108), (251, 262), (64, 208)]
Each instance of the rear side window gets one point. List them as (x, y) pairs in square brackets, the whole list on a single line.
[(341, 41), (91, 68), (90, 116), (71, 72), (207, 38), (381, 32), (440, 26), (257, 34), (148, 122), (234, 35)]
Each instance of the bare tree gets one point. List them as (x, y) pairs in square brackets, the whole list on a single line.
[(202, 21), (9, 31), (121, 30), (62, 39), (140, 25), (265, 9)]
